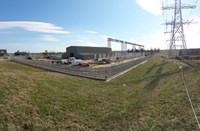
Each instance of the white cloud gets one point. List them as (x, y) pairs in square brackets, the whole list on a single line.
[(83, 38), (192, 34), (34, 27), (49, 38), (194, 28), (151, 6), (92, 32)]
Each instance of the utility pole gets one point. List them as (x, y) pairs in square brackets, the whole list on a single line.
[(177, 36)]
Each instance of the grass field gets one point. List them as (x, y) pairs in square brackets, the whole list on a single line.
[(164, 52), (149, 97)]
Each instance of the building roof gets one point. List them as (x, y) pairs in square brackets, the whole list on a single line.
[(86, 47)]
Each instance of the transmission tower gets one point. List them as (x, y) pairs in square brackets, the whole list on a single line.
[(177, 36)]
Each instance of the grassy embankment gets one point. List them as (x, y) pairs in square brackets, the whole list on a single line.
[(149, 97)]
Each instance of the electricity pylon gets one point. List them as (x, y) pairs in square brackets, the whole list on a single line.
[(177, 36)]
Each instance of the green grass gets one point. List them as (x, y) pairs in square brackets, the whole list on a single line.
[(149, 97), (164, 52)]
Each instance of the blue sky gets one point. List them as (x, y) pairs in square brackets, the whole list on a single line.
[(53, 25)]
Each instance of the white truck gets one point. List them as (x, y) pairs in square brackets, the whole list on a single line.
[(75, 61), (62, 61)]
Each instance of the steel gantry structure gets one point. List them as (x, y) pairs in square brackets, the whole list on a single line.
[(123, 44), (177, 30)]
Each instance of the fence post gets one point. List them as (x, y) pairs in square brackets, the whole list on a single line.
[(95, 72), (105, 73)]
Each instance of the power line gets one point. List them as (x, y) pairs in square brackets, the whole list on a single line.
[(192, 12), (187, 92), (188, 95)]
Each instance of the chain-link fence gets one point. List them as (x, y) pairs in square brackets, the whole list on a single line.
[(92, 73), (111, 71)]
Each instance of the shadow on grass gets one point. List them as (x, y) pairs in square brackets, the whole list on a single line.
[(154, 79), (161, 65), (155, 65), (154, 82), (150, 68)]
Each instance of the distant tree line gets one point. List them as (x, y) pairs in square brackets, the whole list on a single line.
[(136, 50), (151, 51)]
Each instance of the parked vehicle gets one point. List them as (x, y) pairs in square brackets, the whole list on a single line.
[(75, 61), (84, 65), (64, 61), (29, 58), (71, 60), (103, 61), (120, 58)]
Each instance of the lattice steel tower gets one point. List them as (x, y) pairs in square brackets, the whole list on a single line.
[(177, 36)]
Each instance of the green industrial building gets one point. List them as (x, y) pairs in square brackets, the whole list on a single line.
[(87, 52)]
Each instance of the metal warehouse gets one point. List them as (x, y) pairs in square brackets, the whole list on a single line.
[(87, 52)]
